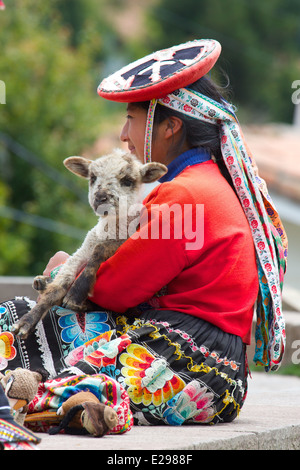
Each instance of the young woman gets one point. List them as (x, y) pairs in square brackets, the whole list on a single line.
[(177, 298)]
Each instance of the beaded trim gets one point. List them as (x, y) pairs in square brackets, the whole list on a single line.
[(149, 131)]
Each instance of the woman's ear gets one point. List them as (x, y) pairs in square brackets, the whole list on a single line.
[(173, 126)]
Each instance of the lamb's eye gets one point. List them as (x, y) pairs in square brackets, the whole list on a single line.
[(127, 181), (92, 178)]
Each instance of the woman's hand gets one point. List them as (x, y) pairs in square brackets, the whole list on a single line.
[(59, 258)]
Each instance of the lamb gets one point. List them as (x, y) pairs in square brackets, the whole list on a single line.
[(112, 178)]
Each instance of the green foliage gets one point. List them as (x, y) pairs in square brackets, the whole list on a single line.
[(53, 110), (260, 42), (53, 55)]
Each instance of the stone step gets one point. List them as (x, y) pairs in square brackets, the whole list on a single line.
[(269, 420)]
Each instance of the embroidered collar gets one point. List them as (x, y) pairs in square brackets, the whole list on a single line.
[(188, 158)]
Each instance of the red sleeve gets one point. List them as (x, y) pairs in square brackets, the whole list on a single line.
[(139, 269)]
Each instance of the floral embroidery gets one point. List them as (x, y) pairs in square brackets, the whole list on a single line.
[(149, 379), (102, 351), (203, 349), (192, 366), (7, 350), (156, 376), (194, 403), (147, 369), (3, 318), (2, 310), (90, 351), (74, 356), (78, 328)]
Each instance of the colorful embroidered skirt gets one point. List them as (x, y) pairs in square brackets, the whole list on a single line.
[(175, 368)]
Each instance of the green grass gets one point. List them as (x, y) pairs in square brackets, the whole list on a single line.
[(290, 369)]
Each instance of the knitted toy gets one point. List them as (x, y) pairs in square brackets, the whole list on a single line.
[(83, 413), (20, 386)]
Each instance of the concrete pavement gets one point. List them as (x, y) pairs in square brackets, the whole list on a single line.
[(269, 420)]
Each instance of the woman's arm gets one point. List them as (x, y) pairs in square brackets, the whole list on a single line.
[(138, 270), (59, 258)]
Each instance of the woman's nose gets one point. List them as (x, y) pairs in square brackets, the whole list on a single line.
[(124, 133)]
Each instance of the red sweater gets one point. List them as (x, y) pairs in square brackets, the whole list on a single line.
[(217, 281)]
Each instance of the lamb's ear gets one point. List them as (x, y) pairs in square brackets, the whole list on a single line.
[(152, 171), (78, 165)]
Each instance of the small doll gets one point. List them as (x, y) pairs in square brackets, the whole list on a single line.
[(83, 413), (20, 386)]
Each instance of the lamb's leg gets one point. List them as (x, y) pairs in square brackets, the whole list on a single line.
[(40, 283), (53, 295), (76, 298)]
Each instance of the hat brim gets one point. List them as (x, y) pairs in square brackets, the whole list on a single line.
[(161, 72)]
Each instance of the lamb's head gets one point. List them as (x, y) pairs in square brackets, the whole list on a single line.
[(114, 176)]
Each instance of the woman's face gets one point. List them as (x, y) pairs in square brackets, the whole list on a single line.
[(133, 132), (165, 135)]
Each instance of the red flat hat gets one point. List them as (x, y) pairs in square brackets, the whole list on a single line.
[(161, 72)]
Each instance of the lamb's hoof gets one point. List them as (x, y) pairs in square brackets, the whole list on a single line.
[(21, 329), (40, 282)]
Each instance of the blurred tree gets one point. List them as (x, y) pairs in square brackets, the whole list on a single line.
[(260, 41), (53, 55), (52, 109)]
